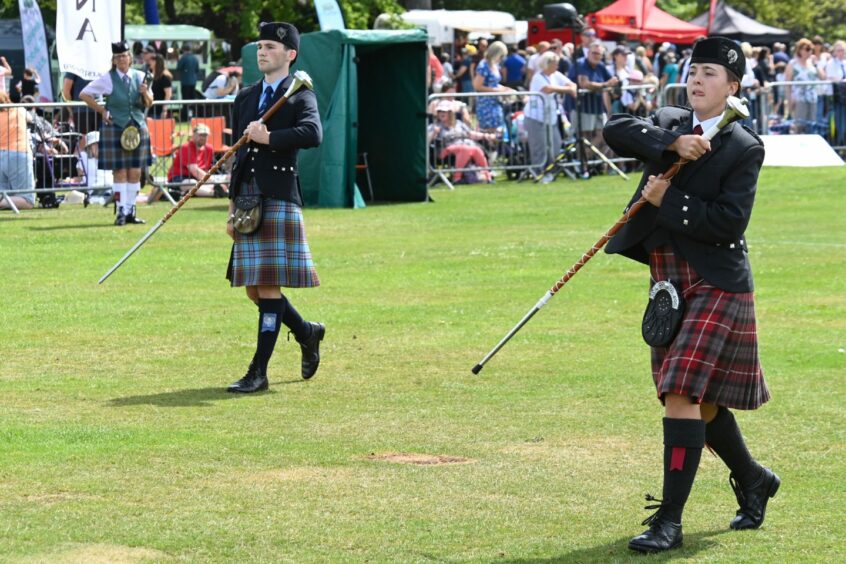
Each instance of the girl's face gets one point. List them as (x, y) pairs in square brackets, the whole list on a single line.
[(708, 86)]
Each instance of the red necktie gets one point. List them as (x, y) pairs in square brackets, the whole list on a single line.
[(697, 130)]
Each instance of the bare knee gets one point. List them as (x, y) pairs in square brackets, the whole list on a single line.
[(680, 407), (252, 294), (269, 292)]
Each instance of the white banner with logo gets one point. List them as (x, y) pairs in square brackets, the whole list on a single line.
[(35, 46), (85, 31), (329, 15)]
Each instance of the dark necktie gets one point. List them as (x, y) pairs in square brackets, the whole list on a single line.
[(697, 130), (126, 81), (265, 103)]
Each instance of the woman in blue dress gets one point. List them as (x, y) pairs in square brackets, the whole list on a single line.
[(487, 79)]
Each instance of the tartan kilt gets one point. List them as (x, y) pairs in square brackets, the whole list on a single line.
[(113, 157), (277, 254), (714, 357)]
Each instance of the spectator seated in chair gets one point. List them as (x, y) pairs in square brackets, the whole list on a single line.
[(190, 164), (453, 137)]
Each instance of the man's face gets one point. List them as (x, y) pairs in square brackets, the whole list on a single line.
[(595, 55), (200, 139), (273, 56)]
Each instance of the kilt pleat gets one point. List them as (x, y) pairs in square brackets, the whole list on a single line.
[(113, 157), (277, 254), (714, 358)]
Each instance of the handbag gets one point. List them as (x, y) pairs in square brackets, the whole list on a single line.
[(663, 315), (247, 216)]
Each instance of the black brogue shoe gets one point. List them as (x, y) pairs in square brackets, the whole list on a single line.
[(121, 218), (753, 499), (311, 349), (130, 218), (255, 380), (663, 534)]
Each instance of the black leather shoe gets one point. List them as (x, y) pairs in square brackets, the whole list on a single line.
[(120, 219), (753, 499), (662, 534), (311, 349), (255, 380), (130, 218)]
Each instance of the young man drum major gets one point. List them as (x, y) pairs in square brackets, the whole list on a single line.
[(277, 254), (692, 236)]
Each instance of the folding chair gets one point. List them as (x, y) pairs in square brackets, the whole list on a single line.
[(364, 166), (163, 148)]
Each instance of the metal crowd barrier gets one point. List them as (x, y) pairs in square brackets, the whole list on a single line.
[(504, 149), (50, 147), (822, 110)]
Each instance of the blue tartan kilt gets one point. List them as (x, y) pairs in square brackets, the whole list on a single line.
[(277, 254), (113, 157)]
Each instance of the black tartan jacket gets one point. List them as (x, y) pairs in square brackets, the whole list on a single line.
[(294, 126), (707, 207)]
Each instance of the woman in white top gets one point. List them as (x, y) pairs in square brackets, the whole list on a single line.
[(542, 112), (802, 99)]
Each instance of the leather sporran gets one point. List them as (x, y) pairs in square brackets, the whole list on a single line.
[(663, 316), (130, 137), (247, 214)]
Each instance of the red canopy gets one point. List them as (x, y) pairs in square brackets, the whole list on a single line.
[(626, 17)]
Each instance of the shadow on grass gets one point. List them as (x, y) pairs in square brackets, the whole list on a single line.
[(619, 550), (198, 397)]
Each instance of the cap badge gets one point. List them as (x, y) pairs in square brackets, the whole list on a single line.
[(731, 56), (281, 32)]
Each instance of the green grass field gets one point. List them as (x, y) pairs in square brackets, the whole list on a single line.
[(118, 443)]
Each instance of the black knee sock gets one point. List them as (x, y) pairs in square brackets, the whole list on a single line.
[(270, 320), (683, 442), (293, 321), (723, 435)]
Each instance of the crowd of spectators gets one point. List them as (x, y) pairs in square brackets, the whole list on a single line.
[(637, 78)]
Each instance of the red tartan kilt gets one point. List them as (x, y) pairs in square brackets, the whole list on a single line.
[(714, 358)]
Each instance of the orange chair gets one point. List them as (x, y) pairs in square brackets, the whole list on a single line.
[(217, 126)]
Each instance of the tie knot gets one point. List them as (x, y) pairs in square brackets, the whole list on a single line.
[(268, 91), (697, 130)]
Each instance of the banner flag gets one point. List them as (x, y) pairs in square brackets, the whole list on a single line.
[(35, 47), (85, 30)]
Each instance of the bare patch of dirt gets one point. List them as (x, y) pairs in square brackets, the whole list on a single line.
[(420, 459), (90, 553)]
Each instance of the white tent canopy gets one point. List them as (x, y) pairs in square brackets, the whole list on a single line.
[(441, 24)]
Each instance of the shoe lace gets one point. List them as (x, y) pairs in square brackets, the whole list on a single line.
[(738, 491), (652, 519)]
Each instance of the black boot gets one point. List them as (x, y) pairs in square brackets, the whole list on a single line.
[(130, 217), (753, 499), (255, 380), (662, 534), (121, 218), (311, 348)]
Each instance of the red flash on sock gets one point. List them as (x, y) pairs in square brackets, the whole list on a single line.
[(677, 459)]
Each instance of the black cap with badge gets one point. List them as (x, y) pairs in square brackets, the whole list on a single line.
[(720, 51), (120, 47), (283, 32)]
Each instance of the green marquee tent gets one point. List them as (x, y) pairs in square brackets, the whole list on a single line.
[(371, 94)]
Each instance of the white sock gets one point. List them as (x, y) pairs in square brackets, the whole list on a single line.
[(120, 190), (132, 189)]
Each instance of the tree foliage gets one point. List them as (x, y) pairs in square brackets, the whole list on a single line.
[(236, 21)]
